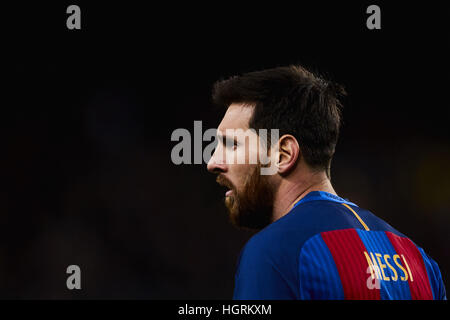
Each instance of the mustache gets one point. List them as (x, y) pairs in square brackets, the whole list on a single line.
[(221, 180)]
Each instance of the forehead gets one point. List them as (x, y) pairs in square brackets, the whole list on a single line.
[(237, 117)]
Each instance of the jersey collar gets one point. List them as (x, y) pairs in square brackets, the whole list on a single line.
[(322, 195)]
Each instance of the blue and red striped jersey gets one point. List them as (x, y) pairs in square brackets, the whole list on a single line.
[(328, 248)]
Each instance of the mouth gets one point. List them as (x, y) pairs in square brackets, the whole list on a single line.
[(222, 182)]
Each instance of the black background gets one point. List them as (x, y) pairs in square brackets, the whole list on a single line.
[(87, 117)]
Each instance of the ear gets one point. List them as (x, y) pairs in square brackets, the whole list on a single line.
[(288, 153)]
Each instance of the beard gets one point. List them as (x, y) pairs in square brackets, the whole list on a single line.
[(251, 207)]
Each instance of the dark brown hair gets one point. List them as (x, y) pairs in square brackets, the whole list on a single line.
[(293, 100)]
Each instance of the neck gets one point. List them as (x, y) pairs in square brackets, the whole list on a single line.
[(293, 190)]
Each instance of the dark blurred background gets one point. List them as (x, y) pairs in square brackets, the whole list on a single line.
[(87, 117)]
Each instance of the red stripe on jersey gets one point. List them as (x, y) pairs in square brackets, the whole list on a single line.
[(347, 251), (419, 285)]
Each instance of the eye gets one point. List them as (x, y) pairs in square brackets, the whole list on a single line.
[(235, 145), (230, 144)]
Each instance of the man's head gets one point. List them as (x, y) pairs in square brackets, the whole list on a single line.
[(304, 109)]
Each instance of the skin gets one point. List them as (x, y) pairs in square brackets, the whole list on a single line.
[(293, 179)]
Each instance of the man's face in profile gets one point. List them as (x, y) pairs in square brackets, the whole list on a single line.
[(249, 195)]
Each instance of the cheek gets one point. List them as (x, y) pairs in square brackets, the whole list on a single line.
[(252, 156), (239, 173), (248, 153)]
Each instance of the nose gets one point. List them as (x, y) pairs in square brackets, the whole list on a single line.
[(215, 165)]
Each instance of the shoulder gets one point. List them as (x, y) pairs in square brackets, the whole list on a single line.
[(268, 264), (281, 241), (270, 258), (434, 276), (297, 226)]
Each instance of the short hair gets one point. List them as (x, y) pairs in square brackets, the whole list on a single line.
[(293, 100)]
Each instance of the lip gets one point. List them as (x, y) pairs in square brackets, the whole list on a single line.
[(222, 181)]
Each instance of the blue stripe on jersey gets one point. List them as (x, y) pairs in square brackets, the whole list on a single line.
[(319, 277), (434, 276), (378, 242)]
